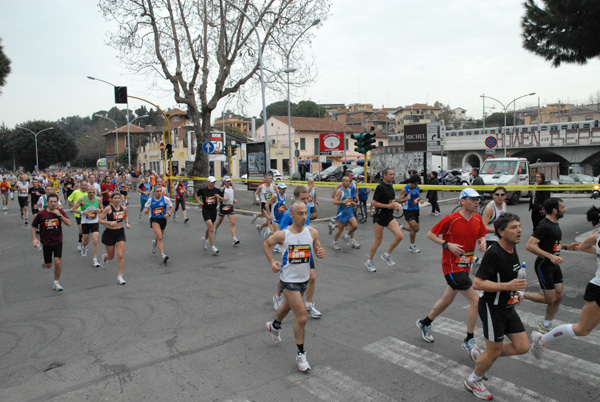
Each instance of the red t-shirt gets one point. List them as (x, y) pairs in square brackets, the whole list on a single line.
[(181, 191), (107, 186), (454, 228), (50, 227)]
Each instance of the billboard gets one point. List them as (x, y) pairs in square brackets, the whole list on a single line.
[(331, 144), (257, 166), (415, 138)]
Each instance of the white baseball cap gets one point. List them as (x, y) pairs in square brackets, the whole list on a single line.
[(211, 179), (281, 185), (226, 178), (471, 193)]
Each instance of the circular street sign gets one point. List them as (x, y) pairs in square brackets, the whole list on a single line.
[(331, 142), (490, 142), (489, 156), (162, 147)]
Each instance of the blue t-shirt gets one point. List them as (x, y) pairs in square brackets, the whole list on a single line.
[(279, 208), (287, 220), (414, 194)]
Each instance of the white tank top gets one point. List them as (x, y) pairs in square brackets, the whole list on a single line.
[(227, 192), (311, 197), (596, 279), (297, 256), (497, 212), (266, 192)]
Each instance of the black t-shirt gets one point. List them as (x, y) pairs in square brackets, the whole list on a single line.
[(34, 197), (209, 199), (549, 235), (384, 193), (498, 266), (69, 185)]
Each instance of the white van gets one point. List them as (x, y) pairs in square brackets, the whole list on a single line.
[(506, 171)]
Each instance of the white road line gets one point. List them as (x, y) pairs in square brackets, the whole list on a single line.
[(560, 363), (444, 371), (329, 384), (237, 399)]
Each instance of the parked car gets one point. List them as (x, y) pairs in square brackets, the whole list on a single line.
[(296, 176), (359, 170), (583, 179), (332, 173)]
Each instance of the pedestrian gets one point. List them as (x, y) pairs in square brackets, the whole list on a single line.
[(432, 195), (115, 218), (546, 244), (157, 207), (300, 243), (208, 198), (476, 180), (589, 318), (537, 200), (461, 232), (498, 282), (410, 196), (384, 202), (49, 223)]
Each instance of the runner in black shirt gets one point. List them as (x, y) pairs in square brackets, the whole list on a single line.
[(35, 192), (502, 291), (208, 198), (546, 244), (384, 202)]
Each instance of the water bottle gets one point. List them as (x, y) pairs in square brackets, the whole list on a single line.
[(522, 274)]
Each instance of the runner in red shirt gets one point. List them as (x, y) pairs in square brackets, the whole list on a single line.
[(107, 188), (461, 231), (49, 221), (180, 194)]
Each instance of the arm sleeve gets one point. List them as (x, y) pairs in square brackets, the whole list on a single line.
[(148, 203), (487, 268), (441, 226)]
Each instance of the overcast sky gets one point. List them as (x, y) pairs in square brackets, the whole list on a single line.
[(386, 52)]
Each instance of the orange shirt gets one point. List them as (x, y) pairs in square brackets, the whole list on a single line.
[(4, 187)]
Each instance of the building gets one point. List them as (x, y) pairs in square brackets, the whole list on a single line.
[(415, 114), (116, 142), (244, 126)]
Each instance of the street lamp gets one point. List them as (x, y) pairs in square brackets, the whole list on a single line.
[(505, 109), (116, 131), (128, 140), (37, 162), (287, 58), (262, 84)]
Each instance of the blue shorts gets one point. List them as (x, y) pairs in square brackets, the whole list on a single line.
[(345, 215)]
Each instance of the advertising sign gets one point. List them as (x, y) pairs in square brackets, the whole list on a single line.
[(217, 138), (415, 138), (331, 144), (257, 166), (434, 137)]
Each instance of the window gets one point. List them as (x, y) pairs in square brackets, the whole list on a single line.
[(303, 144), (380, 143), (346, 143), (316, 146)]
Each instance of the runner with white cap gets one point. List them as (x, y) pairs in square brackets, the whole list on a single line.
[(227, 209), (278, 207)]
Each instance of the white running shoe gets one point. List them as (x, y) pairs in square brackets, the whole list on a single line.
[(95, 263), (259, 228), (302, 362), (277, 249), (388, 259), (120, 280), (310, 309), (347, 239), (103, 261), (275, 333), (235, 241), (186, 220), (79, 246), (215, 250), (335, 246), (154, 247), (543, 329), (472, 349), (267, 233), (370, 266), (57, 286), (204, 243), (478, 389), (253, 218), (330, 227), (354, 244), (425, 331), (277, 301), (215, 235), (165, 258), (537, 347), (413, 249), (84, 251)]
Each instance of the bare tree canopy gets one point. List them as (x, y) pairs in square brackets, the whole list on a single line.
[(564, 31), (207, 49)]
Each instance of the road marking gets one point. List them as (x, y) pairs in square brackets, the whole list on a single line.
[(329, 384), (442, 370), (237, 399), (560, 363)]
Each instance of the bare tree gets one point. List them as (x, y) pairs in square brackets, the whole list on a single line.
[(206, 49)]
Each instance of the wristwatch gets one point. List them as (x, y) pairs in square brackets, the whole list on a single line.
[(445, 245)]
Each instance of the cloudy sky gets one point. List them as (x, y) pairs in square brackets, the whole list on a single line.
[(385, 52)]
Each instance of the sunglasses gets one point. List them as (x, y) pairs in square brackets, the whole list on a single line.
[(500, 194)]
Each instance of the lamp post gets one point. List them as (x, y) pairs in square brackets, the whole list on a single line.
[(116, 130), (262, 84), (505, 109), (287, 58), (128, 140), (37, 161)]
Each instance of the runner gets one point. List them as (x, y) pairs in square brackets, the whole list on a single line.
[(546, 244), (353, 195), (156, 206), (384, 202), (22, 188), (93, 182), (145, 189), (35, 192), (263, 193), (68, 187), (227, 209), (89, 208), (299, 242), (345, 215), (113, 236), (589, 318), (312, 198), (460, 231), (180, 194), (124, 186), (73, 198), (49, 222), (410, 195), (207, 198), (501, 290), (5, 189), (278, 205), (107, 188)]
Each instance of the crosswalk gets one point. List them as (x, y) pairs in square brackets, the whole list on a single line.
[(326, 383)]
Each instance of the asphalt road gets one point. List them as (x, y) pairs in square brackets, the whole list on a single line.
[(194, 329)]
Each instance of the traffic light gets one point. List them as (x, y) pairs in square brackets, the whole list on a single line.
[(358, 143), (169, 151), (120, 94), (234, 148), (368, 142)]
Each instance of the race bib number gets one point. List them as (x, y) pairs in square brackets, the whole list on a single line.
[(226, 208), (211, 200), (181, 191), (311, 199), (556, 249), (514, 299), (268, 196), (299, 254), (281, 209), (158, 211), (92, 214), (119, 216), (464, 260), (23, 191), (51, 223)]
